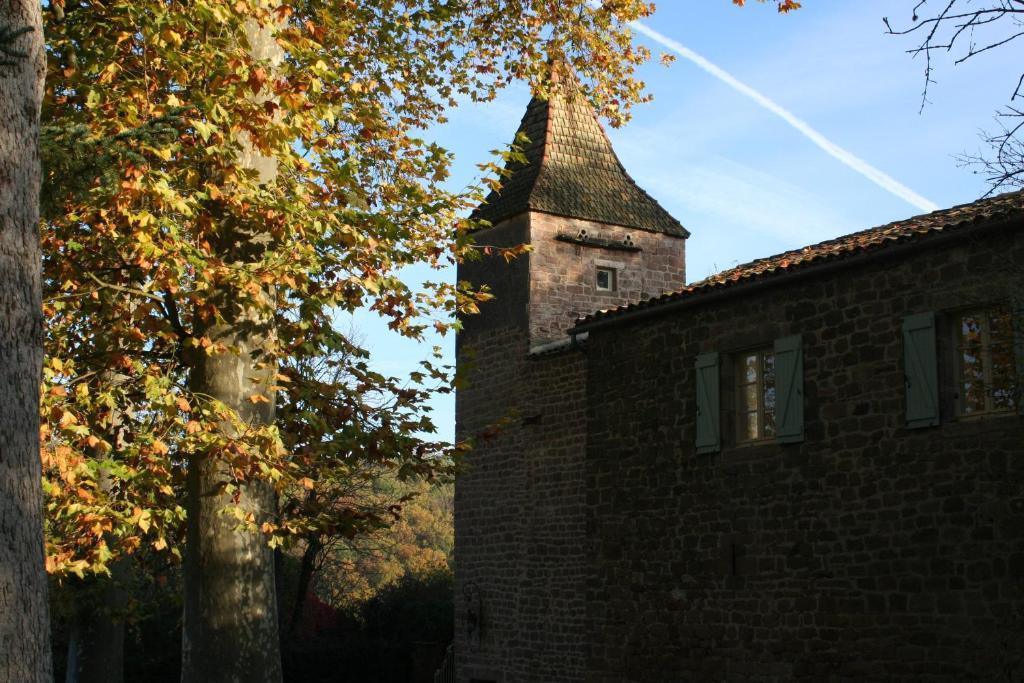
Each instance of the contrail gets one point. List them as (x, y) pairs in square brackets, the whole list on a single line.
[(886, 182)]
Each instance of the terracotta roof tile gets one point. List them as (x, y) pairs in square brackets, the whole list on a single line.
[(571, 170), (874, 239)]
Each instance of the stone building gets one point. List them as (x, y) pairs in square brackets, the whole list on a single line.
[(806, 467)]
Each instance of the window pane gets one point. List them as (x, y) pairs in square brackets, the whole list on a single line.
[(970, 331), (1003, 377), (1000, 327), (769, 408), (748, 426), (749, 398), (972, 382), (769, 369), (749, 366), (769, 383)]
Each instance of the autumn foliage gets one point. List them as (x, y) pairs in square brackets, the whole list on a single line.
[(149, 108)]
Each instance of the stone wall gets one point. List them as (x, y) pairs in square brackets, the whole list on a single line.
[(867, 552), (520, 547), (491, 352), (562, 273)]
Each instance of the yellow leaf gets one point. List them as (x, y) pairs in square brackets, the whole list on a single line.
[(259, 398)]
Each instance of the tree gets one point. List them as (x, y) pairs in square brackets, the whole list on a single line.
[(24, 617), (175, 263), (971, 29)]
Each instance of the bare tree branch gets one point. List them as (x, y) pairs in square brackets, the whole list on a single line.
[(972, 28)]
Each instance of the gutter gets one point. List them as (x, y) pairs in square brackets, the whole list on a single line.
[(826, 267), (568, 343)]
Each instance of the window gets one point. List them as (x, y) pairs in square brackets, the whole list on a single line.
[(769, 387), (606, 279), (986, 373), (755, 395)]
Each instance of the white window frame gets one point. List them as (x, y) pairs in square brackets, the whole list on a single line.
[(613, 277)]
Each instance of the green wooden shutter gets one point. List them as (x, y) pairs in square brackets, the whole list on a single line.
[(789, 389), (708, 434), (1017, 314), (921, 370)]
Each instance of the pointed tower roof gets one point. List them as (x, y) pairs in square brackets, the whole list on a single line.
[(571, 170)]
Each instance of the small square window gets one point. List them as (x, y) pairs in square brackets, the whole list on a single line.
[(606, 279), (986, 373), (755, 396)]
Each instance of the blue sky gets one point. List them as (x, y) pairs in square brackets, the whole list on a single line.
[(745, 183)]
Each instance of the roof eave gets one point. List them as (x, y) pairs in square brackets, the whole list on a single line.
[(653, 307)]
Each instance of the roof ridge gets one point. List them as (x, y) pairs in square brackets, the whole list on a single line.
[(544, 149)]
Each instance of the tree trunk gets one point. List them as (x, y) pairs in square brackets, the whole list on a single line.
[(313, 548), (96, 642), (24, 613), (230, 631)]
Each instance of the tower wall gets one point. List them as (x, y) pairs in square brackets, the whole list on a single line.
[(562, 272), (520, 527)]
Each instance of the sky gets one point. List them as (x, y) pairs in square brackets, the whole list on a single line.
[(856, 151)]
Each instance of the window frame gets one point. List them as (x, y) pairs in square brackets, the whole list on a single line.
[(739, 384), (984, 312), (613, 276)]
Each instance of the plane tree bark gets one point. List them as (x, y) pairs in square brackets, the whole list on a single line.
[(231, 622), (24, 615)]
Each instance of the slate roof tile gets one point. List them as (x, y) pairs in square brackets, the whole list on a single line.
[(882, 237), (571, 170)]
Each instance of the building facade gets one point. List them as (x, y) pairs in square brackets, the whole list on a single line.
[(809, 467)]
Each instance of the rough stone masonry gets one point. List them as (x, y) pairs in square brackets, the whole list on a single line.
[(620, 525)]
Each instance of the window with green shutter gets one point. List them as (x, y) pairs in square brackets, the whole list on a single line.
[(789, 387), (708, 435), (920, 368)]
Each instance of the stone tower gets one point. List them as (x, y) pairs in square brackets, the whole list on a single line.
[(598, 241)]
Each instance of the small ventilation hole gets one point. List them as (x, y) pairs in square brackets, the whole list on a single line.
[(628, 241), (582, 234)]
